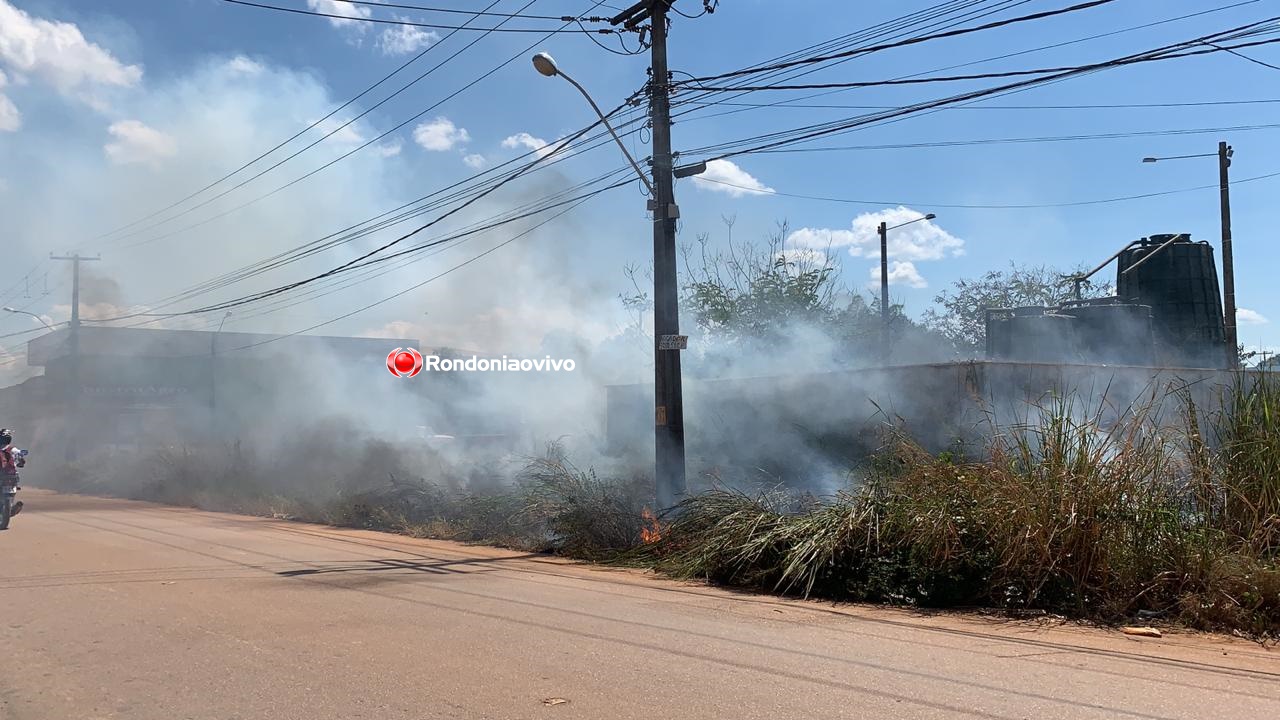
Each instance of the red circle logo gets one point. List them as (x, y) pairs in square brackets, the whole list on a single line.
[(404, 362)]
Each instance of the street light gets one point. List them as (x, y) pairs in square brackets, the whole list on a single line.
[(884, 281), (1224, 154), (668, 417), (24, 312), (544, 64)]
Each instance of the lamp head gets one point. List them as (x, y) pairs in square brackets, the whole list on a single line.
[(930, 216), (1149, 159), (544, 64), (10, 309)]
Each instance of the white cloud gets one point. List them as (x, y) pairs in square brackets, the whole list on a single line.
[(390, 149), (242, 64), (1250, 317), (475, 161), (10, 118), (536, 144), (58, 53), (135, 143), (346, 10), (921, 240), (345, 135), (726, 177), (440, 135), (405, 39), (900, 273)]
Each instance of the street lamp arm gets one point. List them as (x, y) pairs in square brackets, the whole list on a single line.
[(648, 185), (37, 317), (1177, 157), (930, 216)]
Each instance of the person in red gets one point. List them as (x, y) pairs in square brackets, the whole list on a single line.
[(11, 458)]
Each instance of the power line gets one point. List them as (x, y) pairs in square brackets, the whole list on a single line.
[(345, 266), (367, 111), (410, 23), (805, 133), (402, 6), (906, 42), (1078, 203), (295, 136), (792, 102), (1021, 140), (417, 285), (785, 105), (960, 78)]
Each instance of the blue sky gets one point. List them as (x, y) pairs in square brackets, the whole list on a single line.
[(114, 109)]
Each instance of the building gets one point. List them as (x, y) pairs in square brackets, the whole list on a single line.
[(142, 387)]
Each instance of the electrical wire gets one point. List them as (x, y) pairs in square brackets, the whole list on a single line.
[(1083, 106), (409, 23), (415, 286), (279, 163), (295, 136), (382, 221), (960, 78), (1041, 139), (812, 131), (403, 6), (903, 43), (343, 267), (945, 206), (793, 102)]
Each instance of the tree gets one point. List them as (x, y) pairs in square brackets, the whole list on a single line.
[(962, 318)]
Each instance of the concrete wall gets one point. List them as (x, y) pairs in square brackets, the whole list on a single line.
[(823, 422)]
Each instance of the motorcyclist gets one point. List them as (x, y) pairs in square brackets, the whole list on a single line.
[(11, 459)]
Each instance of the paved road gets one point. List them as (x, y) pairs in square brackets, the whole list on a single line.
[(126, 610)]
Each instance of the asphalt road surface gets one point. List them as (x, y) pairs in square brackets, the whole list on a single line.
[(114, 609)]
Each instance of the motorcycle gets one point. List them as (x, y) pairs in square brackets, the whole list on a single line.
[(9, 505)]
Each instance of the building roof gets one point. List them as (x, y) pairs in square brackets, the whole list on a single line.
[(157, 343)]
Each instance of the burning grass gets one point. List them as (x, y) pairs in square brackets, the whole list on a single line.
[(1061, 514), (1172, 514)]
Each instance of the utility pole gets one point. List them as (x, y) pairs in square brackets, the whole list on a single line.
[(1228, 263), (74, 384), (884, 292), (669, 447)]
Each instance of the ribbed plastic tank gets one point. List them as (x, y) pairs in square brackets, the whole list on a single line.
[(1180, 284), (1113, 333)]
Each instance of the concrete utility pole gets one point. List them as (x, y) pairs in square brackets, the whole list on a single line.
[(885, 336), (669, 448), (1230, 339), (884, 292), (1228, 262), (668, 391), (74, 386)]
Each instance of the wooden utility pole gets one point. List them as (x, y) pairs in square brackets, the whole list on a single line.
[(74, 380)]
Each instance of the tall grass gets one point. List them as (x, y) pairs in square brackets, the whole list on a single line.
[(1064, 512)]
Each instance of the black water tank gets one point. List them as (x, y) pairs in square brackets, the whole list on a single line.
[(1002, 341), (1180, 284), (1112, 332), (1044, 338)]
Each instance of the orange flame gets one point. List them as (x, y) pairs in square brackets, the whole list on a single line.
[(650, 530)]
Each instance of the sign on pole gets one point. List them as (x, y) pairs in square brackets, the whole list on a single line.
[(673, 342)]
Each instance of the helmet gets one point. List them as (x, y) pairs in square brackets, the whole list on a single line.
[(5, 437)]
